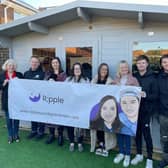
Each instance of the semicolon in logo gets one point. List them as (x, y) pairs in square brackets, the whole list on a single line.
[(35, 98)]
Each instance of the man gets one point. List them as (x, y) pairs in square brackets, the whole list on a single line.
[(147, 81), (35, 73), (163, 109)]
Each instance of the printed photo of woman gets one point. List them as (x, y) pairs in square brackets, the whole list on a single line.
[(107, 118)]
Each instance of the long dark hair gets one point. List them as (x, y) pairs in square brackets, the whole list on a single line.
[(60, 65), (161, 59), (72, 72), (98, 122), (99, 73)]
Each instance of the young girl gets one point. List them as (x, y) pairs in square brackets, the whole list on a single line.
[(76, 77), (124, 77), (103, 78), (9, 73), (56, 74)]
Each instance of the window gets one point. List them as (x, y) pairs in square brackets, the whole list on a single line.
[(4, 55), (82, 55)]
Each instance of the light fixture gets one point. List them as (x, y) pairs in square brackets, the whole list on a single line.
[(151, 33)]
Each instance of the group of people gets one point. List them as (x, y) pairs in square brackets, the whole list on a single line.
[(154, 89)]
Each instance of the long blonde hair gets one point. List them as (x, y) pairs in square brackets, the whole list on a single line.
[(119, 70), (9, 61)]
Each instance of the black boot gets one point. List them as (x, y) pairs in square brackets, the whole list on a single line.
[(50, 139), (17, 138), (60, 140)]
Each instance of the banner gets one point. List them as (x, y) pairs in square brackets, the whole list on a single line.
[(103, 107)]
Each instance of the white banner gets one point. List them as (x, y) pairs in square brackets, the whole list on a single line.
[(77, 105)]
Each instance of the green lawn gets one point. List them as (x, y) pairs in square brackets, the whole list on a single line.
[(33, 154)]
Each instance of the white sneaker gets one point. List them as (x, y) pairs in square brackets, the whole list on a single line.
[(149, 163), (118, 158), (99, 151), (105, 153), (137, 159), (71, 147), (126, 161), (80, 147)]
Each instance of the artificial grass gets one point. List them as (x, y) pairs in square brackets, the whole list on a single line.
[(36, 154)]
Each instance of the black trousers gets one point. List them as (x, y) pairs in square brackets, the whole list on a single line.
[(164, 136), (60, 130), (38, 128), (71, 135), (143, 129), (100, 136)]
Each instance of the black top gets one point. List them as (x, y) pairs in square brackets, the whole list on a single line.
[(103, 82), (5, 89), (148, 83), (163, 93), (34, 75)]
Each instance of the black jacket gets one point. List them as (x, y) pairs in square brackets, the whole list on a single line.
[(163, 93), (148, 82), (35, 75), (5, 90)]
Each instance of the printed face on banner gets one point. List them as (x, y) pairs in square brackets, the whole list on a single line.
[(104, 116), (120, 117), (108, 111), (130, 106)]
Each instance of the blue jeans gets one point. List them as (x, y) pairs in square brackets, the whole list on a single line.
[(124, 144), (12, 126)]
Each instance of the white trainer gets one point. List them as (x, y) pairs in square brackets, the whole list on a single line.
[(126, 161), (99, 151), (149, 163), (118, 158), (137, 159), (80, 147), (105, 153), (71, 147)]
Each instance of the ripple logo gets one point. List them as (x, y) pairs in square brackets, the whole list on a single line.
[(35, 98)]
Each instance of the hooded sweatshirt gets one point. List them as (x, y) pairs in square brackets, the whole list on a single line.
[(149, 86)]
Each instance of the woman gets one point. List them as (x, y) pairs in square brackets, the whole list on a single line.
[(56, 74), (9, 73), (76, 77), (103, 78), (124, 77)]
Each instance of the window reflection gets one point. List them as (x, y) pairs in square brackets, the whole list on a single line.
[(82, 55), (154, 50)]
